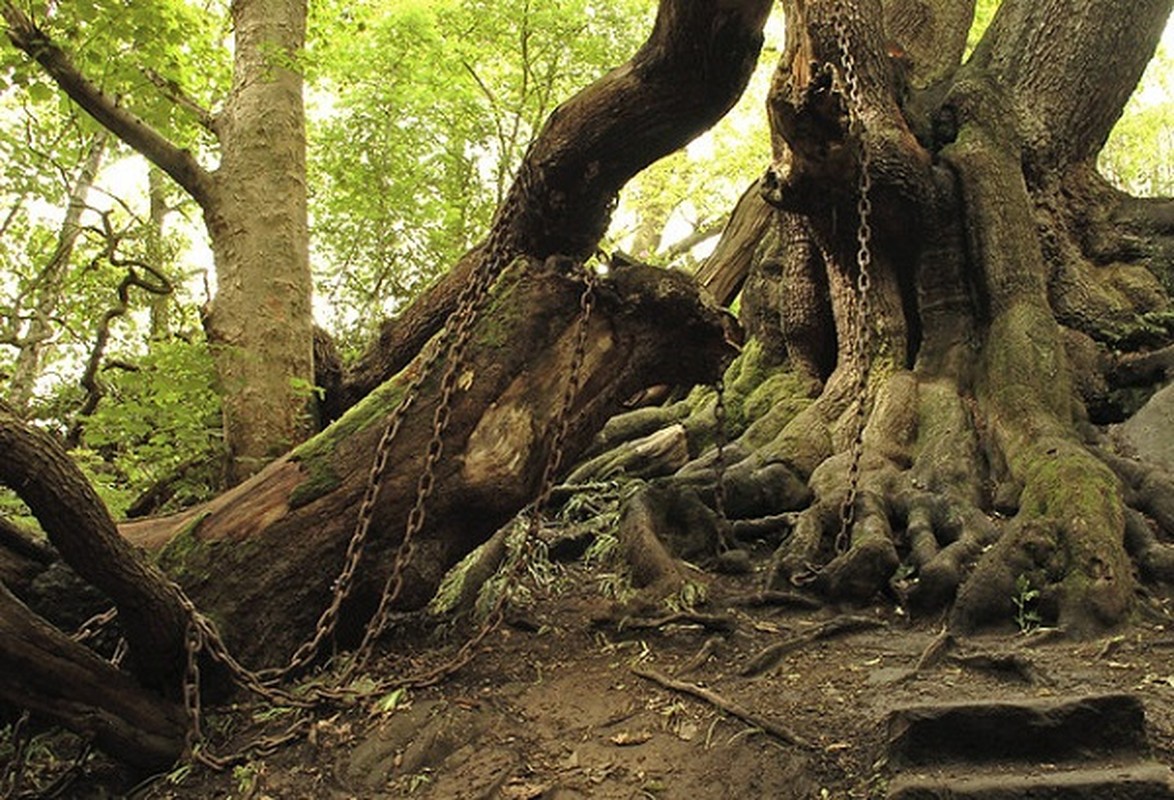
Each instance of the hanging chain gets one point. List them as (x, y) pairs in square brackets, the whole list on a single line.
[(561, 426), (719, 463), (462, 332), (451, 342), (850, 89)]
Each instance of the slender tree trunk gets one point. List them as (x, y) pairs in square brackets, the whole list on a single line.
[(260, 325), (254, 208), (156, 255), (50, 282)]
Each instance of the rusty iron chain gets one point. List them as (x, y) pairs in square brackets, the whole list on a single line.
[(462, 329), (561, 426), (94, 625), (451, 342), (850, 90), (719, 490)]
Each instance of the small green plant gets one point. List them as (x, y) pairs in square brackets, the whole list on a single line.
[(247, 777), (1027, 617)]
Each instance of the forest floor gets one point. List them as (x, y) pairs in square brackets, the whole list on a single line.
[(556, 704)]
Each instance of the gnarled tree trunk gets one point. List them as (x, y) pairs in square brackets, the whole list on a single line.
[(261, 560), (1004, 281)]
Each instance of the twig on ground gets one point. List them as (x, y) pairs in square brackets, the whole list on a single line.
[(714, 699), (776, 598), (712, 622), (700, 657), (770, 656), (935, 651)]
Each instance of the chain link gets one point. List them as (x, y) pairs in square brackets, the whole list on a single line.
[(719, 464), (561, 426), (850, 88)]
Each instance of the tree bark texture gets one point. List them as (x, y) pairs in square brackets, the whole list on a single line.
[(261, 559), (80, 528), (62, 682), (260, 325), (1000, 289)]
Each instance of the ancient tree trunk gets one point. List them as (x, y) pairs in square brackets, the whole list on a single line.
[(999, 289), (254, 208), (62, 682)]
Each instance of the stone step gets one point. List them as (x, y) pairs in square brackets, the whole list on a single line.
[(1047, 731), (1147, 781)]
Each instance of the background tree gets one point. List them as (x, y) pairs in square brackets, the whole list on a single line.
[(253, 201)]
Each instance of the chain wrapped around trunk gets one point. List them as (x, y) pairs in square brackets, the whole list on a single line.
[(849, 87)]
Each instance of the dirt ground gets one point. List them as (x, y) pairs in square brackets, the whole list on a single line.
[(556, 705)]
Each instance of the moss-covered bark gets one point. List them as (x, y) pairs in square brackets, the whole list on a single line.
[(1000, 289)]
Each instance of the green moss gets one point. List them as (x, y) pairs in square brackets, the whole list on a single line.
[(372, 409), (1061, 480), (781, 386), (320, 481), (174, 558)]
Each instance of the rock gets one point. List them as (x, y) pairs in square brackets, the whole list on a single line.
[(1149, 434)]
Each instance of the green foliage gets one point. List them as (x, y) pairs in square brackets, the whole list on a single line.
[(155, 419), (1139, 156), (1025, 598), (419, 112), (984, 12)]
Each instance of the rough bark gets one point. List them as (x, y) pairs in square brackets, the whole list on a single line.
[(260, 326), (1000, 280), (694, 65)]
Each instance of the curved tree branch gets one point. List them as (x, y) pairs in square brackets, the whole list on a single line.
[(692, 69), (73, 516), (176, 162), (43, 670)]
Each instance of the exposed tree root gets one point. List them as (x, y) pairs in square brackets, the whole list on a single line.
[(767, 658), (775, 729)]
